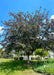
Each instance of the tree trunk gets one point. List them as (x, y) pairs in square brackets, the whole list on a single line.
[(28, 59)]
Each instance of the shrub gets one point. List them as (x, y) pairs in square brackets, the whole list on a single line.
[(16, 57), (46, 66), (41, 52), (50, 60), (37, 58), (32, 58), (21, 58)]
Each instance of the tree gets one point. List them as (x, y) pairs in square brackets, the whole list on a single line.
[(26, 31), (1, 52), (51, 45), (41, 52)]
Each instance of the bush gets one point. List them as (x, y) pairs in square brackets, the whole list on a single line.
[(50, 60), (45, 66), (21, 58), (32, 58), (16, 57), (35, 58)]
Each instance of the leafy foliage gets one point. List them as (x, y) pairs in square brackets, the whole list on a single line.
[(35, 58), (41, 52), (26, 31), (46, 66), (21, 58), (1, 52), (16, 57)]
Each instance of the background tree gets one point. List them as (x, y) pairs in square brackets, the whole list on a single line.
[(26, 31), (41, 52)]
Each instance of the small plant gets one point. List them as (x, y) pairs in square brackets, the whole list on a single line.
[(21, 58), (32, 58), (16, 57), (37, 58)]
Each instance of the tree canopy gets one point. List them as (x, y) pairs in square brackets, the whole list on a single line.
[(41, 52), (26, 31)]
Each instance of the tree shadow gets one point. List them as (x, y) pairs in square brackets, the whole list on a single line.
[(14, 65), (18, 65)]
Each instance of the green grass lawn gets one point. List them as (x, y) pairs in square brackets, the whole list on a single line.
[(45, 66), (16, 67)]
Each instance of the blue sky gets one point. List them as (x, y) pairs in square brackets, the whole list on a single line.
[(23, 5)]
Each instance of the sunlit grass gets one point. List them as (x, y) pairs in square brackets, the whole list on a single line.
[(45, 66), (15, 67)]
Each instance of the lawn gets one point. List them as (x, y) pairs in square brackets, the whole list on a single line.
[(45, 66), (16, 67)]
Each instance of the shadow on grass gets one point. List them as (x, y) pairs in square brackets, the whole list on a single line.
[(17, 65), (14, 65)]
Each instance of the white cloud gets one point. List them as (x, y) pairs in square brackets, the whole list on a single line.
[(1, 29), (52, 17)]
